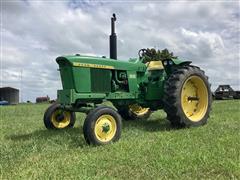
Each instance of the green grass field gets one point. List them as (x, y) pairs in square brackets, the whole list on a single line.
[(147, 149)]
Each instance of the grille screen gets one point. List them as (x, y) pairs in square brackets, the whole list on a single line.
[(100, 80)]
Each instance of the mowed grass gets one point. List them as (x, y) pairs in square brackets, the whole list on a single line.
[(148, 149)]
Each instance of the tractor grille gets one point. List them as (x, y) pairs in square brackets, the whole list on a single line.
[(100, 80)]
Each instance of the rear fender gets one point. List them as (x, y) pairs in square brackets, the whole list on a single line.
[(180, 62), (172, 64), (184, 63)]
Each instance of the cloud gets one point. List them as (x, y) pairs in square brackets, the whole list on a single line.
[(34, 33)]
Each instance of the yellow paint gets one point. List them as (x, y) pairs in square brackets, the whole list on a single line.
[(98, 66), (155, 65), (64, 122), (105, 120), (195, 87), (138, 110)]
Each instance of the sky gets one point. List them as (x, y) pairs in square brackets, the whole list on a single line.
[(34, 33)]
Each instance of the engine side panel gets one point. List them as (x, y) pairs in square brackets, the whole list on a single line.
[(100, 80)]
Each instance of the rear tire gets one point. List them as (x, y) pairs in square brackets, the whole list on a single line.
[(187, 97), (102, 125), (134, 112), (57, 118)]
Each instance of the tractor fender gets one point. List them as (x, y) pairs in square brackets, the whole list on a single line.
[(175, 63), (180, 62), (185, 63)]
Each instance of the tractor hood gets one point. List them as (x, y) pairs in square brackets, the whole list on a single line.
[(101, 63)]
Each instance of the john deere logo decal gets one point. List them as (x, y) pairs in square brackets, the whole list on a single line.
[(99, 66)]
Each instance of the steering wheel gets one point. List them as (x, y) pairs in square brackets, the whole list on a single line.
[(142, 52)]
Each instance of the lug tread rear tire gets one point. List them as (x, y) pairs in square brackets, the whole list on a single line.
[(172, 96), (129, 116)]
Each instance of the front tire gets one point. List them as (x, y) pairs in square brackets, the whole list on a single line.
[(187, 97), (57, 118), (102, 125)]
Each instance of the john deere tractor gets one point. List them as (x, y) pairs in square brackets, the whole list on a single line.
[(155, 80)]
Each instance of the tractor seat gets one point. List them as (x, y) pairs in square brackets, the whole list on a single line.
[(154, 65)]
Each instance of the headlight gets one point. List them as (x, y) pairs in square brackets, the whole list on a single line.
[(165, 63)]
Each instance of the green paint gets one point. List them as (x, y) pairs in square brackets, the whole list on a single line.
[(87, 79)]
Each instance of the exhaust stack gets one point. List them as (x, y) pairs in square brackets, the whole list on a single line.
[(113, 39)]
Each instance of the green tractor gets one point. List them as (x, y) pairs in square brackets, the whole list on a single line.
[(155, 80)]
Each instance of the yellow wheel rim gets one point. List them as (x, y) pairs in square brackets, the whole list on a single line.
[(194, 98), (105, 128), (61, 119), (138, 110)]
